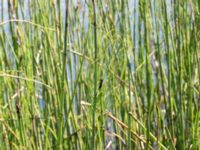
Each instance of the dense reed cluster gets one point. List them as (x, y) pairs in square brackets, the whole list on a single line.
[(99, 74)]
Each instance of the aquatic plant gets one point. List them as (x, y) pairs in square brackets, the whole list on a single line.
[(99, 74)]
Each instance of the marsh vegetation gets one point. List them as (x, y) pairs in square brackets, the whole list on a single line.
[(99, 74)]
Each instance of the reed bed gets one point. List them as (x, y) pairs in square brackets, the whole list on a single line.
[(100, 74)]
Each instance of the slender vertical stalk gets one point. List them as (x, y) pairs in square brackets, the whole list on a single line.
[(95, 74), (63, 104), (129, 110), (168, 69), (181, 137), (148, 77)]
